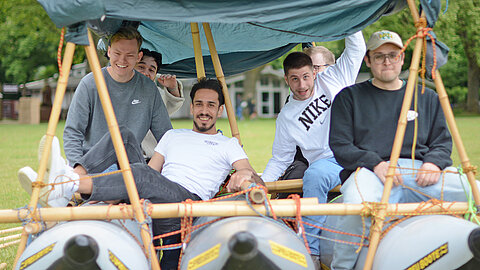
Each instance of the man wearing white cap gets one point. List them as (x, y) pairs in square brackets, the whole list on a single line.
[(363, 126)]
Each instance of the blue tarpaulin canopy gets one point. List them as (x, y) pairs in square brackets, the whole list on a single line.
[(247, 33)]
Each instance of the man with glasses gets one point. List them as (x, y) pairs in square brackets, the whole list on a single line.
[(321, 57), (364, 123), (305, 121)]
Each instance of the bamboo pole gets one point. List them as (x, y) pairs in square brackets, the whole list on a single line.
[(457, 139), (377, 225), (9, 244), (290, 185), (16, 229), (10, 237), (120, 150), (255, 195), (172, 210), (197, 48), (221, 78), (52, 126)]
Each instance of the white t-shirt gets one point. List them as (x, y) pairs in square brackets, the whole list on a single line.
[(306, 123), (198, 162)]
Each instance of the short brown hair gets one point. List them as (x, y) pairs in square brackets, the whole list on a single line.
[(326, 53), (211, 84), (296, 60), (128, 33)]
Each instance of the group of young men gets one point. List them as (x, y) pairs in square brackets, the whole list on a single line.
[(338, 126)]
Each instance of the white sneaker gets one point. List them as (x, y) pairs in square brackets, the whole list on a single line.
[(55, 160), (56, 195), (65, 185), (25, 175)]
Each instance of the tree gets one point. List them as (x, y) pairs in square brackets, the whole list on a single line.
[(28, 42), (463, 18)]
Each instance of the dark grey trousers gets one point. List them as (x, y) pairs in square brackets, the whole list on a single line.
[(150, 183)]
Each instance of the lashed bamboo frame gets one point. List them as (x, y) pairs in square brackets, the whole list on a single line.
[(281, 207), (120, 151), (116, 138), (377, 222), (52, 126)]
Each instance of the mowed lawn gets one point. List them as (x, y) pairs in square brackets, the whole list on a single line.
[(18, 148)]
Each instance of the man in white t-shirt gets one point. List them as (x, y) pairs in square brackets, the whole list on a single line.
[(187, 164), (305, 121), (169, 87)]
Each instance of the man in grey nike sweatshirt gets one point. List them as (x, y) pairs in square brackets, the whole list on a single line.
[(135, 99)]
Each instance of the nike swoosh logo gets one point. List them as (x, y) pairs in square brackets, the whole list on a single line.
[(136, 101)]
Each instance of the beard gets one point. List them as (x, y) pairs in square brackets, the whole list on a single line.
[(203, 128)]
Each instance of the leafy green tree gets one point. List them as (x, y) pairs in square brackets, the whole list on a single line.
[(462, 31), (28, 42)]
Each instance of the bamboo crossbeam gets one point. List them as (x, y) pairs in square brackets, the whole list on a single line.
[(457, 139), (197, 48), (10, 237), (291, 185), (9, 244), (377, 225), (282, 208), (120, 149), (16, 229), (52, 126), (221, 77)]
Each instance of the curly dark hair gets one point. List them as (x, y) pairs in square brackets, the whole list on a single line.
[(155, 55), (205, 83)]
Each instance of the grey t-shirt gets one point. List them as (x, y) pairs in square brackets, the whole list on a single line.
[(137, 105)]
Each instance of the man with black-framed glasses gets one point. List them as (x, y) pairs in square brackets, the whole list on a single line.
[(362, 131)]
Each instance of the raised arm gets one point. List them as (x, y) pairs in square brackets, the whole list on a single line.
[(345, 71), (173, 99)]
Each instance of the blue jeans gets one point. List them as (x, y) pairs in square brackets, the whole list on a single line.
[(320, 177), (371, 189)]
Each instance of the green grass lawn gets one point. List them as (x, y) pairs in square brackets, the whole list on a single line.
[(18, 148)]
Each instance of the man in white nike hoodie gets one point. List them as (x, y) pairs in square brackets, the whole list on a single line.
[(305, 121)]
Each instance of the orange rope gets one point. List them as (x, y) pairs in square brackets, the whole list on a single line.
[(298, 217), (423, 31), (186, 231), (59, 51)]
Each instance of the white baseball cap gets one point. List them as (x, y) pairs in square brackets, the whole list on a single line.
[(381, 37)]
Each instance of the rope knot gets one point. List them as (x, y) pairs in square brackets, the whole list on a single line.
[(38, 184), (470, 168), (422, 22)]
